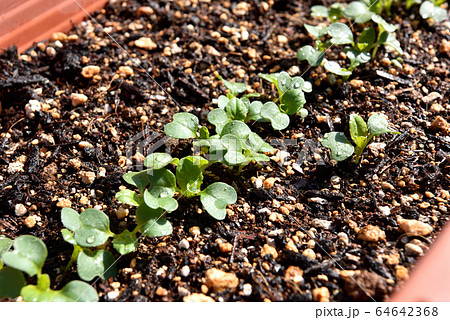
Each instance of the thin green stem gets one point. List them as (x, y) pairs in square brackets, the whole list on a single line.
[(75, 253)]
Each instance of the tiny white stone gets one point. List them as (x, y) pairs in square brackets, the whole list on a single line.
[(385, 210), (20, 210), (113, 295), (185, 271), (319, 223), (183, 244), (247, 289), (31, 108)]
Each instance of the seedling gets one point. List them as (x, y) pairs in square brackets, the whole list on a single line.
[(338, 33), (432, 9), (361, 134), (157, 187), (28, 256), (291, 92)]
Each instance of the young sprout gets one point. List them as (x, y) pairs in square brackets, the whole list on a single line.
[(361, 134), (28, 256)]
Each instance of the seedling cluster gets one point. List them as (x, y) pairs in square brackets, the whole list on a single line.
[(374, 32), (28, 257), (360, 132)]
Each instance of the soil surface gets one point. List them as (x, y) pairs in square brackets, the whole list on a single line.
[(291, 239)]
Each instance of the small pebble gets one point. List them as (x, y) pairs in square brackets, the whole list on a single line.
[(87, 177), (145, 43), (20, 209), (247, 289), (268, 183), (413, 250), (183, 244), (161, 292), (371, 233), (185, 271), (319, 223), (194, 231), (266, 249), (113, 295), (198, 297), (122, 212), (30, 221), (414, 227), (89, 71), (309, 253), (321, 294), (218, 280), (78, 99), (294, 274)]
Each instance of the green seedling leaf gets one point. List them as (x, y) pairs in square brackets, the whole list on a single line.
[(236, 128), (184, 126), (29, 255), (335, 68), (257, 144), (69, 237), (358, 129), (222, 102), (378, 125), (125, 243), (11, 282), (429, 10), (389, 39), (5, 245), (157, 160), (99, 263), (234, 87), (292, 101), (316, 31), (163, 178), (303, 113), (128, 197), (340, 33), (254, 111), (151, 222), (76, 291), (216, 197), (139, 179), (70, 219), (366, 39), (272, 78), (94, 230), (203, 133), (167, 203), (312, 55), (340, 147), (319, 11), (271, 112), (358, 11), (40, 292), (232, 145), (382, 24), (236, 109), (356, 57), (336, 11), (218, 118), (189, 174)]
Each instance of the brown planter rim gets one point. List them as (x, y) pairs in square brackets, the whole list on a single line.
[(23, 22)]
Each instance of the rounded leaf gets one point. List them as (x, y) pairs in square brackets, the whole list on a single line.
[(70, 219), (184, 126), (11, 282), (128, 197), (237, 128), (292, 101), (29, 255), (377, 125), (157, 160), (335, 68), (358, 11), (340, 33), (218, 118), (216, 197), (100, 263), (76, 291), (340, 147), (125, 243)]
